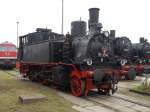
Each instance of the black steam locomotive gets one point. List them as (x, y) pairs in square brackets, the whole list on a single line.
[(141, 51), (77, 61), (136, 56), (131, 53)]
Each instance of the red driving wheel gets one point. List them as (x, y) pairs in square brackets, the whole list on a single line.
[(77, 86)]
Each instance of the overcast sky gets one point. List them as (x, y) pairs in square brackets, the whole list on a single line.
[(128, 17)]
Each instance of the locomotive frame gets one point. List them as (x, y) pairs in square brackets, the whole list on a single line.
[(80, 82)]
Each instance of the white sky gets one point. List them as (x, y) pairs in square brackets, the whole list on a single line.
[(128, 17)]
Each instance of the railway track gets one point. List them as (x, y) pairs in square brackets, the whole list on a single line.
[(111, 103), (119, 104)]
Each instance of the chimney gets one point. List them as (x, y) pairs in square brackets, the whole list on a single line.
[(93, 18)]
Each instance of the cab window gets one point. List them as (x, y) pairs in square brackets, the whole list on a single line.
[(11, 48), (8, 48), (2, 48)]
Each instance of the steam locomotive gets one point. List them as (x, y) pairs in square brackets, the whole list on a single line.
[(135, 56), (78, 61), (8, 55), (141, 51), (141, 56)]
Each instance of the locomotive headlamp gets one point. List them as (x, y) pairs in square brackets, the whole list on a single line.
[(106, 33), (88, 61), (123, 61)]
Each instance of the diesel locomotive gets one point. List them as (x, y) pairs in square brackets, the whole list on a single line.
[(79, 61), (8, 55)]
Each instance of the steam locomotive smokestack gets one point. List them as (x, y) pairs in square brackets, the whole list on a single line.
[(93, 16)]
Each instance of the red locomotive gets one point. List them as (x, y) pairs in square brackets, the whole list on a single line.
[(8, 55)]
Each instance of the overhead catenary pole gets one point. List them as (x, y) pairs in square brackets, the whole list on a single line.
[(17, 33), (62, 24)]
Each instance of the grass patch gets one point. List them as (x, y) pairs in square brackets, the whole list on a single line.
[(142, 88), (11, 88)]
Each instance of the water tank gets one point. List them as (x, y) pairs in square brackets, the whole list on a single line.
[(78, 28)]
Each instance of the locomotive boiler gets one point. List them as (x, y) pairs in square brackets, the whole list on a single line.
[(123, 47), (79, 61)]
